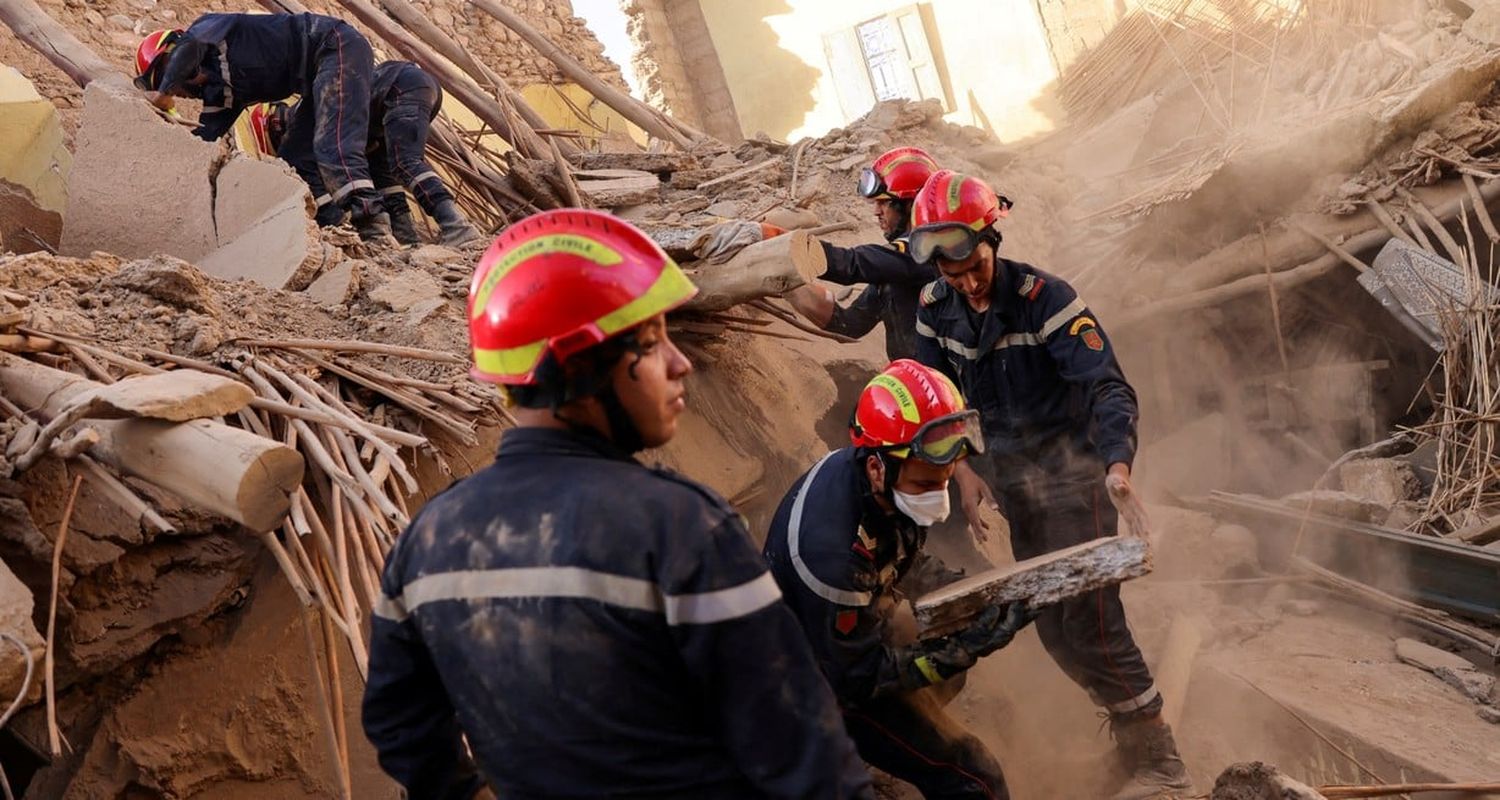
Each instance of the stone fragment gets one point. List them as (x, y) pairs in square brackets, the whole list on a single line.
[(1468, 680), (407, 290), (337, 286), (1425, 656), (15, 619), (1384, 481), (263, 226), (170, 280)]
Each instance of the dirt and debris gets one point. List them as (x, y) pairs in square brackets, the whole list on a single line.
[(1202, 213)]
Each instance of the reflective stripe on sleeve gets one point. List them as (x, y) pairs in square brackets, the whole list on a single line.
[(794, 544), (1055, 322)]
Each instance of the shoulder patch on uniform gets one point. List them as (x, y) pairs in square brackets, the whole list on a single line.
[(844, 621), (1081, 323), (1031, 286), (929, 293), (899, 245), (1092, 340)]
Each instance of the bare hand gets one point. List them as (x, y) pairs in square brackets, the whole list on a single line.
[(1127, 502), (974, 495)]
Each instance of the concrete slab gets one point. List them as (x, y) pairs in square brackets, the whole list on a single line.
[(337, 286), (15, 619), (140, 185), (262, 212)]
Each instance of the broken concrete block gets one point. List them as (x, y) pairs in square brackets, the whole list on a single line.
[(1337, 504), (1483, 25), (1474, 684), (337, 286), (172, 281), (1425, 656), (264, 229), (140, 185), (15, 619), (423, 311), (1490, 714), (406, 290), (34, 166), (436, 255), (1384, 481)]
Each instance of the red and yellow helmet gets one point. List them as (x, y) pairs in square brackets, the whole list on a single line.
[(268, 125), (148, 57), (949, 216), (897, 174), (560, 282), (910, 410)]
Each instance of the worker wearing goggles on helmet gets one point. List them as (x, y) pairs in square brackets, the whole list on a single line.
[(852, 528)]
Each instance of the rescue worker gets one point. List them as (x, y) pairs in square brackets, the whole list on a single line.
[(894, 279), (403, 102), (233, 61), (1059, 422), (590, 626), (849, 530)]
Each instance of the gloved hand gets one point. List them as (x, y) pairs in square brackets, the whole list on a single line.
[(994, 629)]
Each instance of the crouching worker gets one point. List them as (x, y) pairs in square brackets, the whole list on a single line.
[(590, 626), (848, 531), (404, 101), (233, 61)]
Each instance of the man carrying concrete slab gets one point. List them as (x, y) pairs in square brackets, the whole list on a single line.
[(403, 102), (233, 61), (846, 534), (569, 622), (1060, 433)]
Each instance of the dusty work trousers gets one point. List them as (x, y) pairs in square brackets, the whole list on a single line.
[(910, 736), (1088, 637), (398, 154), (326, 135)]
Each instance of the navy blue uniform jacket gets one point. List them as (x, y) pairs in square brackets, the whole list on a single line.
[(594, 628)]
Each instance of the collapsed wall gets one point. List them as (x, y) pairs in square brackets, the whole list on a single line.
[(142, 186)]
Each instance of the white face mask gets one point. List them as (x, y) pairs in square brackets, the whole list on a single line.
[(925, 509)]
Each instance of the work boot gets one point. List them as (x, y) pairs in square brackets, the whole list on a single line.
[(372, 227), (403, 228), (453, 227), (1152, 764)]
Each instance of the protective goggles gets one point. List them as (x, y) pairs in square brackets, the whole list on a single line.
[(946, 439), (953, 241), (871, 185)]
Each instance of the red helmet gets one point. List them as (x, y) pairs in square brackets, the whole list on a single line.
[(148, 66), (912, 410), (268, 126), (560, 282), (897, 174), (950, 216)]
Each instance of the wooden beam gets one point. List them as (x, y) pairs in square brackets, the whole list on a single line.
[(764, 269), (228, 471), (1041, 581), (649, 119), (418, 23), (33, 26)]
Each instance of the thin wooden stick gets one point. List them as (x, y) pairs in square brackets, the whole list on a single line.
[(124, 496), (1387, 790), (54, 739), (351, 346), (1333, 247), (1275, 301), (1389, 222), (329, 726), (1485, 220), (335, 691)]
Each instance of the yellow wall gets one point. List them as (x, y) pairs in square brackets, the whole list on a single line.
[(993, 54), (32, 154)]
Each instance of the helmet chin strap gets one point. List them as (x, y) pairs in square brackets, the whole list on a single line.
[(623, 431)]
